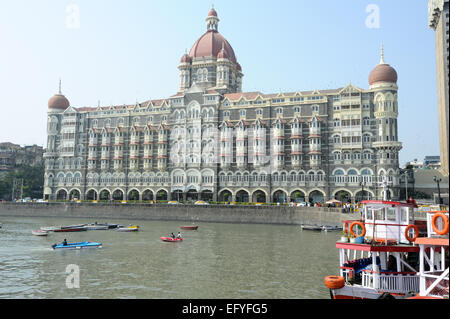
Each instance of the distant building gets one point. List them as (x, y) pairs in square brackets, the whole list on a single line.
[(432, 162), (13, 155), (438, 21), (414, 164), (424, 182)]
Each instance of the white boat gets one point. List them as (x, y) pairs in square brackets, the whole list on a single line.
[(39, 232), (381, 258), (128, 229), (97, 227)]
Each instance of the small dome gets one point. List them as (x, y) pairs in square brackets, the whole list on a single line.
[(239, 66), (58, 101), (212, 13), (222, 54), (383, 73), (186, 58)]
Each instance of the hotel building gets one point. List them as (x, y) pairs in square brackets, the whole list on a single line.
[(212, 141)]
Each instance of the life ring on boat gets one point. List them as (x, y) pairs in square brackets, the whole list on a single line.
[(334, 282), (363, 233), (416, 233), (435, 226)]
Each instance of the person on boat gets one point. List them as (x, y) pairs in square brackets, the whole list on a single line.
[(172, 235), (64, 243), (179, 235)]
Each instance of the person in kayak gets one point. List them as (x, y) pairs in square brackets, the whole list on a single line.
[(172, 235), (179, 235), (64, 243)]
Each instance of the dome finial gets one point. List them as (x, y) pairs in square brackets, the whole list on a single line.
[(59, 86), (382, 54), (212, 21)]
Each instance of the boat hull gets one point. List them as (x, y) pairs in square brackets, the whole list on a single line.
[(39, 232), (82, 245), (357, 292), (71, 229), (97, 227), (189, 227), (127, 229), (171, 240)]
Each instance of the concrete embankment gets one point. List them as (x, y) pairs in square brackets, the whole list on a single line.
[(281, 215)]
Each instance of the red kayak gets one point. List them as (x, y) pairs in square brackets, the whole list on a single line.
[(170, 239), (189, 227)]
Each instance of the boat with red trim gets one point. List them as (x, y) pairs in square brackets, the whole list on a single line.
[(378, 255), (433, 257)]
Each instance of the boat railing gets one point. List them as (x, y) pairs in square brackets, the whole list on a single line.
[(396, 282), (347, 273), (436, 283)]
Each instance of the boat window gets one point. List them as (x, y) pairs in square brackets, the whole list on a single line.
[(391, 214), (411, 215), (379, 214), (404, 214), (369, 214)]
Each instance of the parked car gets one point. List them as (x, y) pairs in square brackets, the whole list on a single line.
[(302, 204)]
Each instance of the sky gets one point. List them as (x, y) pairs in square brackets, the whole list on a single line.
[(119, 52)]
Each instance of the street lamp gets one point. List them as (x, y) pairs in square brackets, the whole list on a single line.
[(362, 183), (438, 180)]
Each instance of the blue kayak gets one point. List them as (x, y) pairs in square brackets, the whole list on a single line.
[(84, 244)]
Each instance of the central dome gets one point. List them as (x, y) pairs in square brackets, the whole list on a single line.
[(210, 44)]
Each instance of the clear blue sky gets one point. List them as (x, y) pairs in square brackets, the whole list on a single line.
[(125, 51)]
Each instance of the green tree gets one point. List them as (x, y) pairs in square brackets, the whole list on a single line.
[(33, 181)]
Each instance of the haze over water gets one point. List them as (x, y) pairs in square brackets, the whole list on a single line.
[(216, 261)]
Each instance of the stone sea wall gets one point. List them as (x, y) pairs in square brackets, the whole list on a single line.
[(187, 213)]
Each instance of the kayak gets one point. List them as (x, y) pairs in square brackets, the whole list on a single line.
[(189, 227), (84, 244), (170, 239), (39, 232)]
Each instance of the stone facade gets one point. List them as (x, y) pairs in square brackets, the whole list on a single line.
[(211, 141), (438, 21)]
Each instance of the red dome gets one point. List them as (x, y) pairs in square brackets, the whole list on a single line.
[(212, 13), (210, 44), (58, 101), (383, 73), (186, 59)]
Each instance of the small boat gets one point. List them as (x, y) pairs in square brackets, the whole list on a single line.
[(170, 239), (189, 227), (311, 227), (331, 228), (39, 232), (97, 227), (50, 228), (84, 244), (128, 228), (70, 229)]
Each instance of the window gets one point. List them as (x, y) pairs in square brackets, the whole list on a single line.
[(315, 108)]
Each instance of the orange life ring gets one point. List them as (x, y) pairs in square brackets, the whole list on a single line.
[(416, 231), (434, 225), (334, 282), (361, 225)]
